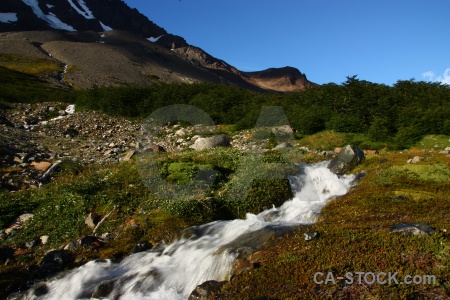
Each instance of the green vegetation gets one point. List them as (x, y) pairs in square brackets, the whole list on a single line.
[(60, 207), (371, 115), (28, 65), (20, 87)]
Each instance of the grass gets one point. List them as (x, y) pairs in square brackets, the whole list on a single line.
[(324, 140), (433, 142), (28, 65), (329, 140)]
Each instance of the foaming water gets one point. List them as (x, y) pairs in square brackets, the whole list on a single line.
[(173, 271)]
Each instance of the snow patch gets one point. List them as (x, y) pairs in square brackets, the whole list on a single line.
[(105, 27), (84, 11), (50, 6), (153, 39), (8, 17), (51, 18)]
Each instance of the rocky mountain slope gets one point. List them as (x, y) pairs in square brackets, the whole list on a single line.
[(105, 42)]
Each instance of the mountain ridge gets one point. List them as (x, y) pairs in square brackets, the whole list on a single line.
[(96, 27)]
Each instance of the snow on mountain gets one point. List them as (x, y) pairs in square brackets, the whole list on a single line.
[(8, 17), (84, 11), (153, 39), (51, 18), (105, 27)]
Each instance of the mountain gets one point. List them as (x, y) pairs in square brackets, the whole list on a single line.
[(105, 42)]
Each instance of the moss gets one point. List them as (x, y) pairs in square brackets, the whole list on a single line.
[(438, 172), (260, 195)]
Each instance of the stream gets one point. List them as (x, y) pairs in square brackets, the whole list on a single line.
[(173, 271)]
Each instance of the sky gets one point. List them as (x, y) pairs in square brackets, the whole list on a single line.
[(378, 40)]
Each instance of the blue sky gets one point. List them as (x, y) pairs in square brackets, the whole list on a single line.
[(380, 41)]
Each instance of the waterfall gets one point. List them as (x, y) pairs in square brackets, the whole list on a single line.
[(173, 271)]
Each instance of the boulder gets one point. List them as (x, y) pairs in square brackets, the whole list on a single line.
[(205, 290), (416, 229), (414, 160), (347, 159), (284, 130), (283, 145), (103, 290), (91, 241), (142, 246), (54, 262), (40, 289), (23, 218), (41, 166), (181, 132), (212, 142)]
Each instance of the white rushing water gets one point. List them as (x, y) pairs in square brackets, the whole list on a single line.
[(173, 272)]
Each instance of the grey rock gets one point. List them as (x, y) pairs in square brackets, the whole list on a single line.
[(311, 235), (92, 220), (142, 246), (181, 132), (73, 245), (283, 145), (212, 142), (54, 262), (103, 290), (414, 160), (40, 290), (416, 229), (284, 130), (205, 290), (347, 159)]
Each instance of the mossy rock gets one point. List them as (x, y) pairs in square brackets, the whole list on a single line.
[(263, 194), (415, 195), (185, 172)]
